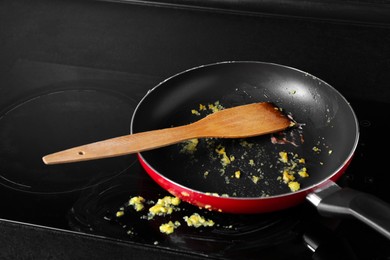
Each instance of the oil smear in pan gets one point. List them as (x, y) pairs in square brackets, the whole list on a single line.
[(238, 160)]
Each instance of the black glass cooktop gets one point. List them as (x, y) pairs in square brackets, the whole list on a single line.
[(73, 105), (72, 72)]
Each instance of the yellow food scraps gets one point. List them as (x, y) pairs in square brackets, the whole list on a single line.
[(225, 160), (202, 107), (283, 157), (237, 174), (303, 172), (137, 202), (169, 227), (164, 206), (255, 179), (294, 185), (287, 177), (211, 107), (120, 213), (189, 146), (216, 194), (215, 107), (251, 162), (195, 112), (291, 168), (195, 220), (316, 149), (245, 143)]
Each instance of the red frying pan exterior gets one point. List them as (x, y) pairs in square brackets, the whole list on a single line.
[(325, 116), (326, 136)]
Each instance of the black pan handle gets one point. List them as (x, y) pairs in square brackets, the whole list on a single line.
[(333, 201)]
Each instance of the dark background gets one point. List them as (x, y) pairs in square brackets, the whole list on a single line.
[(161, 40), (346, 44)]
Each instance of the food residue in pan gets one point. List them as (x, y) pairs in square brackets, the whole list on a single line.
[(189, 146), (238, 157), (248, 155), (293, 168)]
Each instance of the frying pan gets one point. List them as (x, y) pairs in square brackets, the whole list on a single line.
[(323, 142)]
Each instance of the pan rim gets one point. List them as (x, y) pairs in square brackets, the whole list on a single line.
[(333, 176)]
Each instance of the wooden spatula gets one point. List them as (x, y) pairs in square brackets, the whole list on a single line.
[(237, 122)]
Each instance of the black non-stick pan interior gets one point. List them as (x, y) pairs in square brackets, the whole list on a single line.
[(325, 135)]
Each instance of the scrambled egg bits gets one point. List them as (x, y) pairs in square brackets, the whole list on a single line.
[(195, 220), (165, 206), (137, 203), (169, 227), (292, 168)]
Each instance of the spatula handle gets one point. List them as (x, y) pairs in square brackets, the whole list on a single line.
[(122, 145)]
